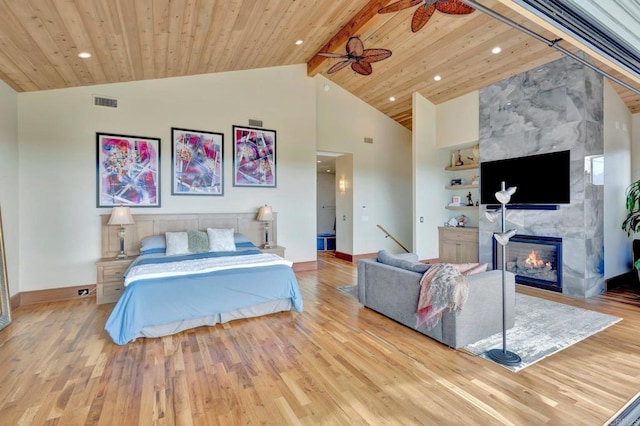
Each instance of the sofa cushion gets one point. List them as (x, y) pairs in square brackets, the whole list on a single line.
[(391, 260)]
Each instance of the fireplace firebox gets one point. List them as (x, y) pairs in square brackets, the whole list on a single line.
[(535, 260)]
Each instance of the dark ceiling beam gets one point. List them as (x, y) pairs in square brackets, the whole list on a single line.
[(350, 29)]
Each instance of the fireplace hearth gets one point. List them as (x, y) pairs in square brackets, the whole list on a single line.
[(535, 260)]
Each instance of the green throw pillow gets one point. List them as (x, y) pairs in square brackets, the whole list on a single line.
[(198, 241)]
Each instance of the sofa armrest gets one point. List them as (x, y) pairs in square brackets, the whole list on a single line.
[(481, 315)]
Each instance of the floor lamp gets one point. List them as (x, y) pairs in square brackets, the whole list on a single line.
[(503, 356)]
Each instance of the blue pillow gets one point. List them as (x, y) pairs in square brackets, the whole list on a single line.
[(391, 260), (153, 244)]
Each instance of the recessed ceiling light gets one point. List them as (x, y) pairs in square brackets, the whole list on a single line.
[(437, 78), (392, 99), (299, 42), (319, 161), (84, 55), (328, 170), (496, 50)]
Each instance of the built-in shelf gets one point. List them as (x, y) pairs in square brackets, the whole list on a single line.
[(468, 186), (461, 207), (463, 167)]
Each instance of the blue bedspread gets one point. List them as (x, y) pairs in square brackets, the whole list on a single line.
[(157, 301)]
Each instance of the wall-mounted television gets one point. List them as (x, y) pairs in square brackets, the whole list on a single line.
[(541, 179)]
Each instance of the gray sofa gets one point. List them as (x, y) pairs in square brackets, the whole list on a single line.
[(393, 291)]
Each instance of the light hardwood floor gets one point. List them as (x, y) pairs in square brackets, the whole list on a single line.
[(336, 363)]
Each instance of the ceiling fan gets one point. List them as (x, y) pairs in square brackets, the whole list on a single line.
[(357, 56), (423, 13)]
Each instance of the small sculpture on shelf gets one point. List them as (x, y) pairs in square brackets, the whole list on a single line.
[(462, 220), (459, 161), (469, 200)]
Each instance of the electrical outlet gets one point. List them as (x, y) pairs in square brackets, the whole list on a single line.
[(83, 292)]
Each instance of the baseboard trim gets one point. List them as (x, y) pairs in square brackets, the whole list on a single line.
[(344, 256), (14, 301), (629, 278), (54, 294), (353, 258), (305, 266)]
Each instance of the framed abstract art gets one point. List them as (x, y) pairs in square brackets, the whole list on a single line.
[(196, 162), (254, 157), (128, 170)]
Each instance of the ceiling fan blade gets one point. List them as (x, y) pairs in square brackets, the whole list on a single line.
[(421, 16), (454, 7), (337, 67), (355, 46), (363, 68), (399, 5), (375, 55), (331, 55)]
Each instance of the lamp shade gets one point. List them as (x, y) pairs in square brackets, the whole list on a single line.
[(265, 213), (492, 216), (505, 195), (121, 216), (503, 237)]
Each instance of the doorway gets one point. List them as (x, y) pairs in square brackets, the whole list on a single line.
[(326, 200)]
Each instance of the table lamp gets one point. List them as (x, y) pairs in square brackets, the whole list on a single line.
[(265, 215), (121, 216)]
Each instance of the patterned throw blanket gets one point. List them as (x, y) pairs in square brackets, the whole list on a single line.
[(442, 286)]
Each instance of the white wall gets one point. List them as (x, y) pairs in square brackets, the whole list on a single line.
[(428, 179), (9, 182), (635, 147), (617, 176), (381, 171), (344, 205), (59, 221), (458, 121)]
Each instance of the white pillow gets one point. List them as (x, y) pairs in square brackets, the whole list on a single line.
[(177, 243), (221, 239)]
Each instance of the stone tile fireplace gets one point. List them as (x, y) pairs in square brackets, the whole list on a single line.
[(557, 106), (535, 260)]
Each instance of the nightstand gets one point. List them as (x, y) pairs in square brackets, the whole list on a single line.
[(279, 250), (110, 283)]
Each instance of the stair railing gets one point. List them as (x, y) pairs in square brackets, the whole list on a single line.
[(388, 235)]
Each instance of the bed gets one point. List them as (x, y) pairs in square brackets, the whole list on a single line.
[(166, 293)]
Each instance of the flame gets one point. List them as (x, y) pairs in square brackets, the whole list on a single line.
[(533, 260)]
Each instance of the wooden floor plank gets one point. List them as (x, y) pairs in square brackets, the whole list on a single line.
[(335, 363)]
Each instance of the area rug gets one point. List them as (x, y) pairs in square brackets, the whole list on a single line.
[(350, 289), (542, 328)]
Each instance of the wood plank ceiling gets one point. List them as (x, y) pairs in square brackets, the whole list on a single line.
[(149, 39)]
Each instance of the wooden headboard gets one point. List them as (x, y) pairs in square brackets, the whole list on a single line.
[(157, 224)]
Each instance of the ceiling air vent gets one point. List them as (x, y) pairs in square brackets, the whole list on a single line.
[(256, 123), (368, 140), (105, 102)]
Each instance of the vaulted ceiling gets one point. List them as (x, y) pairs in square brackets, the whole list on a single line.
[(147, 39)]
